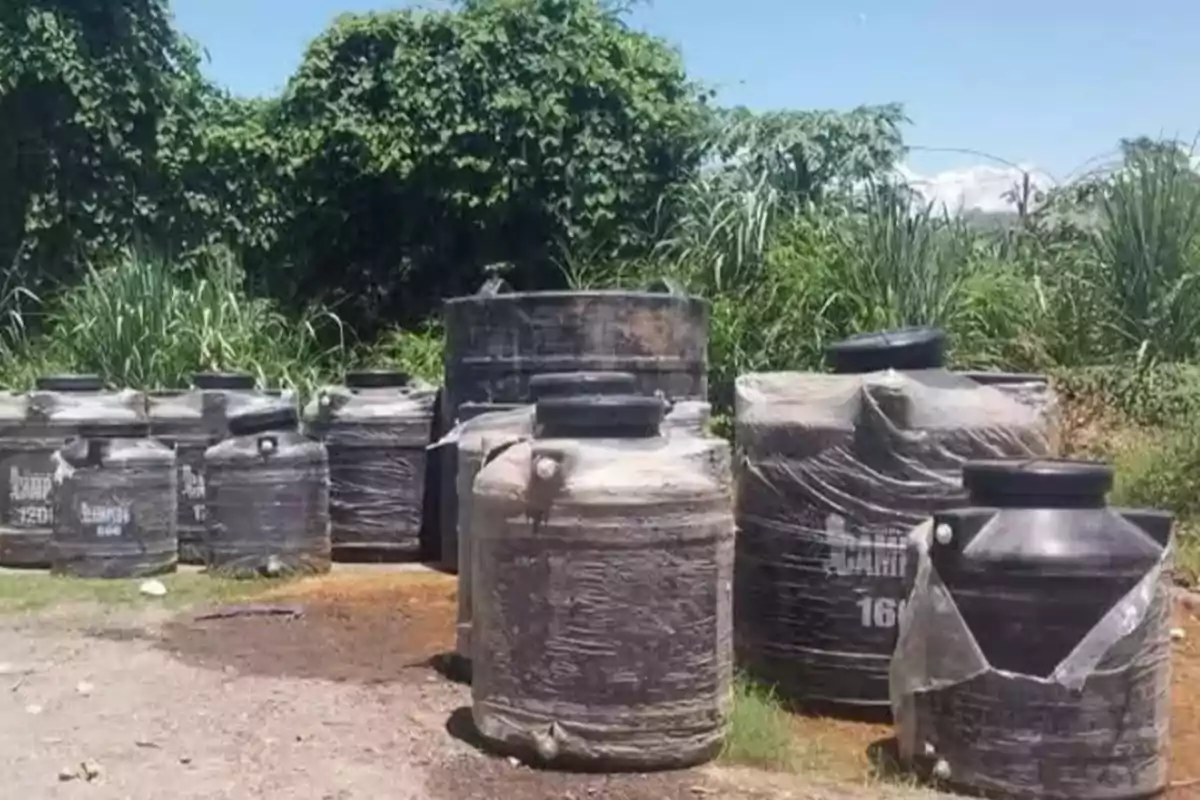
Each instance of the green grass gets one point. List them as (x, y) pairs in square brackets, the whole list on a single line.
[(760, 730), (37, 591)]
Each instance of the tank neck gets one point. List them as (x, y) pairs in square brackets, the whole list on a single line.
[(599, 417), (252, 423), (378, 379), (1041, 483), (581, 384), (903, 349), (70, 383), (228, 381)]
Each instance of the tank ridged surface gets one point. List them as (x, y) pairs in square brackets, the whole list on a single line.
[(33, 427), (376, 430), (267, 491), (116, 505), (835, 471), (191, 421), (496, 342), (602, 573), (1034, 652)]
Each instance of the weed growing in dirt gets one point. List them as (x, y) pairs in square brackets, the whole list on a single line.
[(760, 730)]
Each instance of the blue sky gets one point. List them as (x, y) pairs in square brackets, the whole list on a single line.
[(1050, 83)]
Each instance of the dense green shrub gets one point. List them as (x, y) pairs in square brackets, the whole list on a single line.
[(84, 91), (425, 145)]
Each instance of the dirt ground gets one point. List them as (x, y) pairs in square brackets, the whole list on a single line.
[(339, 703)]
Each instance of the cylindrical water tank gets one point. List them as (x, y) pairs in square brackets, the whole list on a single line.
[(267, 491), (116, 504), (191, 421), (32, 429), (484, 431), (1034, 653), (495, 341), (452, 495), (835, 471), (376, 430), (602, 577)]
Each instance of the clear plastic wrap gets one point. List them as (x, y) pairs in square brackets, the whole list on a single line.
[(35, 426), (1095, 729), (116, 509), (602, 630), (268, 505), (472, 440), (833, 473), (376, 440)]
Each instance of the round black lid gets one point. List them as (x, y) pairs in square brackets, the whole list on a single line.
[(70, 383), (114, 430), (377, 379), (618, 416), (261, 420), (1033, 483), (576, 384), (242, 381), (900, 349)]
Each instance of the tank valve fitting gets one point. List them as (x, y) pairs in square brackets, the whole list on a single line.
[(546, 468)]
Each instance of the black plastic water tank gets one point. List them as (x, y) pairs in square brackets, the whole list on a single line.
[(115, 515), (376, 430), (33, 427), (449, 453), (837, 470), (601, 619), (1048, 675), (495, 341), (191, 421), (267, 491)]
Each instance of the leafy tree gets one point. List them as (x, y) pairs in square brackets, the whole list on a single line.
[(422, 146), (83, 88)]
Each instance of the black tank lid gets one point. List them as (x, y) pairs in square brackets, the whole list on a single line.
[(1037, 483), (599, 417), (70, 383), (900, 349), (233, 381), (261, 420), (377, 379), (115, 430), (580, 384)]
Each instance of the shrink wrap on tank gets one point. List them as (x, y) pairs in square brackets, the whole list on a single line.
[(1095, 728), (833, 473)]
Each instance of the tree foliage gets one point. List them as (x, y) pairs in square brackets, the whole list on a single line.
[(84, 87), (423, 146)]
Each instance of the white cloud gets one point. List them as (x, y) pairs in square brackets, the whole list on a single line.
[(980, 187)]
